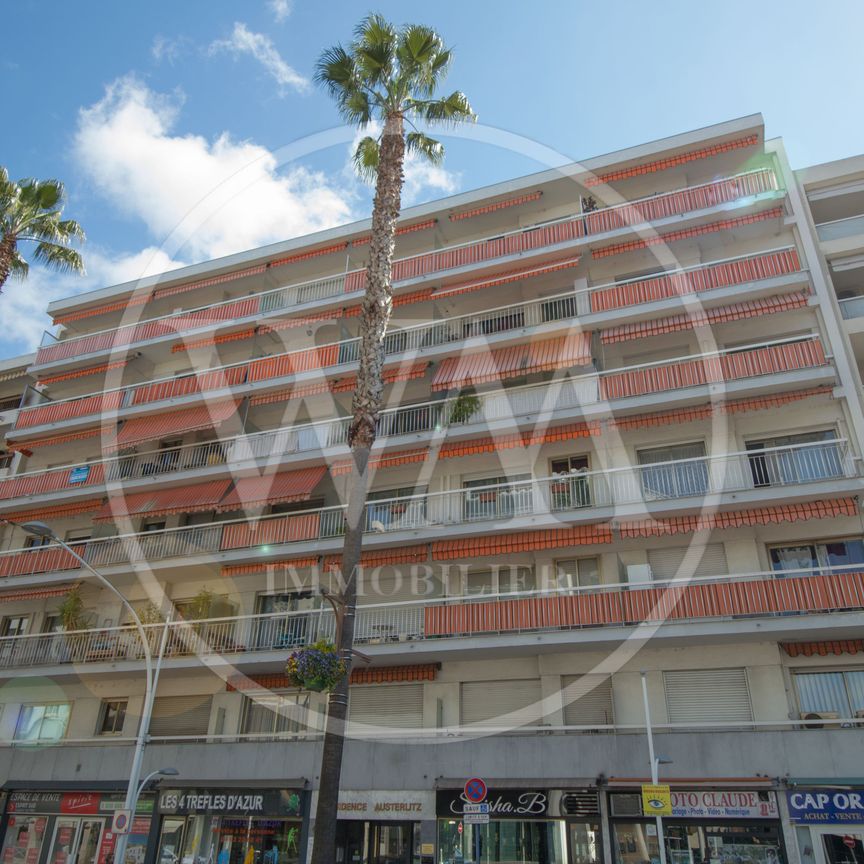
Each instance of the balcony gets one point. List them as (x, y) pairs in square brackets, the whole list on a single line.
[(852, 307), (541, 502), (780, 355), (332, 290), (751, 596), (841, 229)]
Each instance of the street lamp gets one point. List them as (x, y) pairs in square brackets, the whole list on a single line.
[(656, 762), (160, 772), (40, 529)]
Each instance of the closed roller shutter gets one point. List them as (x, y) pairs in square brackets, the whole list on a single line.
[(181, 715), (487, 702), (399, 706), (708, 695), (666, 563), (587, 700)]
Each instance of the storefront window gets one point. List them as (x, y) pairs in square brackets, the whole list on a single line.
[(585, 842), (513, 841), (24, 838), (214, 839)]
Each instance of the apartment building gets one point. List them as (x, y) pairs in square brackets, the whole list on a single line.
[(623, 435)]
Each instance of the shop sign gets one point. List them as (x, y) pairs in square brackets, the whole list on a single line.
[(382, 805), (825, 806), (72, 803), (243, 802), (723, 804), (656, 799), (503, 803)]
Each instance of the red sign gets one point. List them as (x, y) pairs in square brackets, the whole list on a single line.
[(80, 802), (849, 841), (475, 790), (459, 829)]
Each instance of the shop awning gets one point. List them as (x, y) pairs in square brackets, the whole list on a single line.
[(151, 428), (513, 361), (38, 593), (163, 502), (282, 488)]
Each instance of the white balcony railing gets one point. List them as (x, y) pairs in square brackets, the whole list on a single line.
[(770, 594), (624, 215), (558, 495)]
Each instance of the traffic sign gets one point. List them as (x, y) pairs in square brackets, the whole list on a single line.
[(476, 818), (122, 821), (475, 808), (475, 790)]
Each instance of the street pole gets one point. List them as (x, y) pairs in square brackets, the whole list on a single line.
[(38, 529), (661, 841)]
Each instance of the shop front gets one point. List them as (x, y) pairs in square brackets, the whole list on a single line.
[(829, 824), (43, 827), (530, 826), (380, 827), (707, 826), (232, 826)]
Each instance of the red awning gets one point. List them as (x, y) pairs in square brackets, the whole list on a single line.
[(289, 486), (151, 428), (38, 593), (511, 362), (47, 512), (162, 502)]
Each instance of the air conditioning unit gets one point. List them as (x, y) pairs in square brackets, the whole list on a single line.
[(639, 574), (821, 715)]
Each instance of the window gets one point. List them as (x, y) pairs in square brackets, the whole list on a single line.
[(15, 625), (665, 474), (383, 513), (577, 572), (840, 693), (112, 718), (558, 309), (284, 631), (508, 578), (181, 715), (394, 705), (153, 526), (203, 518), (42, 722), (295, 506), (707, 695), (795, 463), (497, 497), (497, 322), (572, 488), (502, 703), (813, 557), (78, 535), (53, 624), (684, 562), (31, 542), (274, 714), (5, 459)]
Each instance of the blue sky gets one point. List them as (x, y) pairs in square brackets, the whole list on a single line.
[(145, 109)]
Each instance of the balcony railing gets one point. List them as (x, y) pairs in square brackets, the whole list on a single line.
[(852, 307), (561, 494), (725, 365), (460, 255), (840, 229), (754, 595)]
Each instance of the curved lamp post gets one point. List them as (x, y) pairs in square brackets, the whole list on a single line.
[(40, 529)]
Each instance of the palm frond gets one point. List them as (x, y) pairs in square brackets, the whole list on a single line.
[(19, 268), (366, 158), (374, 50), (450, 110), (61, 258), (429, 148)]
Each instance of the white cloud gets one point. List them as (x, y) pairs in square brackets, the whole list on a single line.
[(28, 298), (208, 198), (281, 9), (168, 48), (262, 49)]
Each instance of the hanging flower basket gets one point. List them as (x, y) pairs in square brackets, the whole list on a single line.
[(317, 667)]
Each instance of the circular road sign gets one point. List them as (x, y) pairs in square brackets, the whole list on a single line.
[(475, 790)]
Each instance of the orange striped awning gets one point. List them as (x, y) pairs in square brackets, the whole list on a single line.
[(490, 444), (495, 206), (60, 510), (283, 565), (38, 593), (82, 373), (367, 675), (702, 317), (249, 492), (383, 460), (508, 276), (163, 502), (522, 541), (381, 557), (739, 518), (513, 361), (823, 649), (26, 446), (139, 430)]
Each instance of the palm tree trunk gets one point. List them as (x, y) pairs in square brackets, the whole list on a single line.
[(7, 250), (366, 405)]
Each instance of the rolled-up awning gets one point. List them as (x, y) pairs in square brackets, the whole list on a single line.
[(272, 489), (513, 361), (138, 430), (163, 502), (38, 593)]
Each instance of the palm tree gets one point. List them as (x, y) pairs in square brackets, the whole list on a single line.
[(389, 77), (30, 210)]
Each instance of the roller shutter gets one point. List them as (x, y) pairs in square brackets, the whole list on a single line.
[(181, 715), (593, 707), (707, 695), (487, 702), (399, 706), (666, 563)]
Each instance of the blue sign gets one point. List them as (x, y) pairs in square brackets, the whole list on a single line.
[(79, 474), (825, 806)]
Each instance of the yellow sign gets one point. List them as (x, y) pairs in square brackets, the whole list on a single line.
[(656, 800), (427, 848)]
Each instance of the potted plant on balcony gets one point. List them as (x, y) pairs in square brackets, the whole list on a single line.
[(73, 617), (464, 408), (317, 667)]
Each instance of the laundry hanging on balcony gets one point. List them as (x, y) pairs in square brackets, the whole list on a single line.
[(138, 430), (513, 361)]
